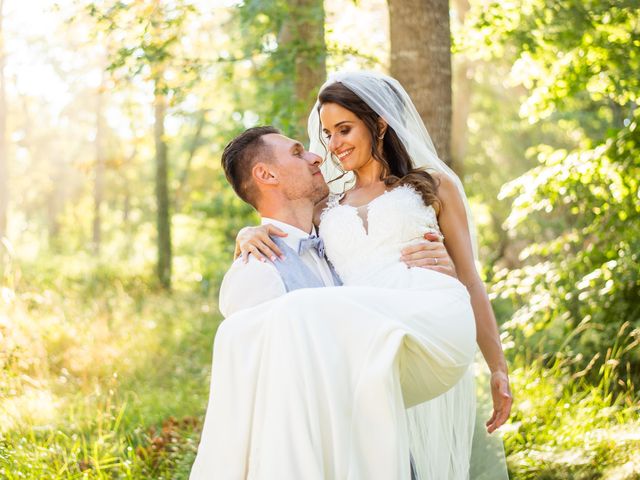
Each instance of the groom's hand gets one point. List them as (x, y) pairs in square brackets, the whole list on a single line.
[(430, 254)]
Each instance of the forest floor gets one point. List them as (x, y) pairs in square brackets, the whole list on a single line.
[(106, 377)]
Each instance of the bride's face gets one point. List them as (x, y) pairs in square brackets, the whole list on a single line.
[(347, 136)]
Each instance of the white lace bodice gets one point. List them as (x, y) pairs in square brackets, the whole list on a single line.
[(360, 248)]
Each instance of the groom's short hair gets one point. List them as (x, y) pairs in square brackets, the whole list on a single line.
[(240, 155)]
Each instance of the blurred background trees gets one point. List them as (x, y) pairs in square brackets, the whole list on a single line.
[(4, 160), (118, 224)]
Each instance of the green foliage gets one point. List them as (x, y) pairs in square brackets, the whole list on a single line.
[(575, 57), (147, 40), (569, 298), (581, 280)]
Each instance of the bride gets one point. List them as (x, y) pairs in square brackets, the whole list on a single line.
[(372, 354)]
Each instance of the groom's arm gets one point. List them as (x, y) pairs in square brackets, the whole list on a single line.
[(246, 285)]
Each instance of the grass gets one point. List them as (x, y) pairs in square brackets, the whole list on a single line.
[(105, 376), (566, 427)]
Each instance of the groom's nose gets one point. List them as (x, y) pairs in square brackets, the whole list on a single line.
[(313, 159)]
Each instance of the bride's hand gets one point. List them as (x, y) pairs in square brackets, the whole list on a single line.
[(502, 400), (257, 241)]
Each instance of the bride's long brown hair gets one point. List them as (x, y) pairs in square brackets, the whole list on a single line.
[(397, 167)]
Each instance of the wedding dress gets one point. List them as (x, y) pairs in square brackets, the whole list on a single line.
[(378, 231), (321, 384)]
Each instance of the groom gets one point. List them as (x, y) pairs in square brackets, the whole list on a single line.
[(282, 180)]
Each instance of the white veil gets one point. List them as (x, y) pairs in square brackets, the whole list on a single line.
[(388, 99)]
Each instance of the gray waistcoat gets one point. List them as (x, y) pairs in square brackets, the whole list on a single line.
[(295, 274)]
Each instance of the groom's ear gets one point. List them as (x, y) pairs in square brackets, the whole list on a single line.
[(263, 173)]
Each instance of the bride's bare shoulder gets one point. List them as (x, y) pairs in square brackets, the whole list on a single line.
[(446, 185), (447, 191)]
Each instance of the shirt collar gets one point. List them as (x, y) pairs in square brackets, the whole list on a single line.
[(294, 234)]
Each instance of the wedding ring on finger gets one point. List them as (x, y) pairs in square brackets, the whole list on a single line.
[(435, 261)]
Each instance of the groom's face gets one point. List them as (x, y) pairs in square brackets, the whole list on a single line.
[(297, 169)]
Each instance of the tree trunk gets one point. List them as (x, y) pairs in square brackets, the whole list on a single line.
[(193, 147), (302, 37), (162, 191), (4, 154), (462, 91), (98, 183), (126, 203), (421, 62)]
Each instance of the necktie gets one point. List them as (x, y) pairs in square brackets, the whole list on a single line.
[(312, 242)]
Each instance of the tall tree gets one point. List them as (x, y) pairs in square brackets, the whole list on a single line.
[(98, 181), (462, 91), (293, 68), (421, 61), (4, 160), (302, 40), (163, 215), (151, 34)]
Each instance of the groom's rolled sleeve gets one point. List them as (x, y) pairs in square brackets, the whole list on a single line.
[(246, 285)]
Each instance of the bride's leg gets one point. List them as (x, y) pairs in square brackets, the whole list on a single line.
[(379, 439), (336, 388), (438, 347)]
